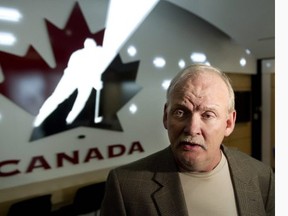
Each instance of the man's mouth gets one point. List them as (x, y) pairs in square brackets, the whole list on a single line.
[(188, 146)]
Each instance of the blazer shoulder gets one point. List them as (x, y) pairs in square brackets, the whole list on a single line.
[(159, 161), (243, 161)]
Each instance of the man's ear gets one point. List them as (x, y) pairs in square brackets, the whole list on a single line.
[(230, 123), (165, 116)]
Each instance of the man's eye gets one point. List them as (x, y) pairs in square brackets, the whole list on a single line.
[(179, 113), (208, 115)]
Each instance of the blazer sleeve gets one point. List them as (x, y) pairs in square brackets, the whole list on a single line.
[(270, 203), (112, 204)]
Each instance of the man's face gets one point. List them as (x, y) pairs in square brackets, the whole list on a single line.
[(197, 119)]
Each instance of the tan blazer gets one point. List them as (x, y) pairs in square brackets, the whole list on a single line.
[(151, 186)]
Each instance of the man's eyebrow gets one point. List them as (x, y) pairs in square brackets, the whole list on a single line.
[(209, 108)]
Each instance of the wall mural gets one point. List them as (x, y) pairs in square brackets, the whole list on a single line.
[(76, 93), (69, 95)]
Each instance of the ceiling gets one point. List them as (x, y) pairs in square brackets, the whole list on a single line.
[(251, 23)]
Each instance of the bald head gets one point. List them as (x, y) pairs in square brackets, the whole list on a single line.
[(195, 71)]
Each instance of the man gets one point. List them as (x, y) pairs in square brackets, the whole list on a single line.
[(196, 174)]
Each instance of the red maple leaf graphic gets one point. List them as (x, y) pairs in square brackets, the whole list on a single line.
[(29, 81)]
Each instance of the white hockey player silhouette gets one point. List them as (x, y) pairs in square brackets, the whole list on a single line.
[(82, 73)]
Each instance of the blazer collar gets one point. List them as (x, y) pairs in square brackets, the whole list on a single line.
[(169, 198), (245, 193)]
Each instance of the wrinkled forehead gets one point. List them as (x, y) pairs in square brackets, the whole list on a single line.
[(204, 88)]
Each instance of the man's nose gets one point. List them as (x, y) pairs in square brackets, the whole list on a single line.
[(193, 125)]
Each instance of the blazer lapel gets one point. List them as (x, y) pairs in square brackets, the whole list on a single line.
[(169, 199), (247, 197)]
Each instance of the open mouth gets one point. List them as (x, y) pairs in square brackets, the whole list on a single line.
[(187, 146)]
